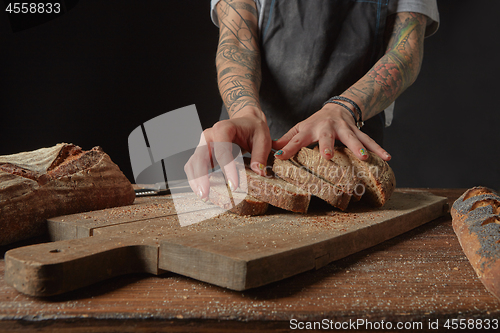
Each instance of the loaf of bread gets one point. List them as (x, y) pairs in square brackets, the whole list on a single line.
[(56, 181), (476, 221)]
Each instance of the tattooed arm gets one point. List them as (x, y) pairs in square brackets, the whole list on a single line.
[(238, 77), (238, 56), (396, 70), (375, 91)]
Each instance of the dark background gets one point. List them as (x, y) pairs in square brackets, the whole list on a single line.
[(97, 72)]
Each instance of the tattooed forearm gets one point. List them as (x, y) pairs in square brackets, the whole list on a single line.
[(238, 56), (237, 92), (228, 52), (396, 70)]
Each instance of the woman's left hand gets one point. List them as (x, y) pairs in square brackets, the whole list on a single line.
[(330, 123)]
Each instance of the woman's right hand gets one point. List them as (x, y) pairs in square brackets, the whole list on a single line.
[(248, 129)]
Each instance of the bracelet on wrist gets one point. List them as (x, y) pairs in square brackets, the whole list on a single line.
[(348, 100), (358, 121)]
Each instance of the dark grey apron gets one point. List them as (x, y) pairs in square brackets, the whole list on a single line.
[(313, 50)]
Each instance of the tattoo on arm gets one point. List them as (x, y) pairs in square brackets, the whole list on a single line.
[(397, 69), (238, 56)]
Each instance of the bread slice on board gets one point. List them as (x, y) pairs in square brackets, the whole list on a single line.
[(235, 202), (374, 174), (291, 171), (476, 221), (338, 171), (55, 181), (277, 192)]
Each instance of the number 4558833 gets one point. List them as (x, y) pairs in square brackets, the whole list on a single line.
[(33, 8)]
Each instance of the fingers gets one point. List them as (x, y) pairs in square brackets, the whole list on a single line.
[(224, 133), (294, 140), (351, 140), (283, 141), (261, 147), (196, 170), (326, 143), (301, 139), (374, 146), (359, 143)]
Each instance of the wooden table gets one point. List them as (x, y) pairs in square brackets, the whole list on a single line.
[(417, 278)]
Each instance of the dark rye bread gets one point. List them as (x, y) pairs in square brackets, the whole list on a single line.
[(294, 173), (56, 181), (476, 222), (338, 171), (235, 202)]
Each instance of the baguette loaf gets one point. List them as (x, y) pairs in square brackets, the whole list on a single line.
[(476, 221), (56, 181)]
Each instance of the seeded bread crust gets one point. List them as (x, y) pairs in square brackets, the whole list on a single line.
[(56, 181), (292, 172), (476, 222)]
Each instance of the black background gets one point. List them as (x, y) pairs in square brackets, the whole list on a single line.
[(97, 72)]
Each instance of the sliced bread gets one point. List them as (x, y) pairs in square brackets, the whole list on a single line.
[(277, 192), (374, 174), (337, 171), (295, 173), (235, 202)]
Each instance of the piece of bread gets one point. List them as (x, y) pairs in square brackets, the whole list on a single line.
[(294, 173), (476, 221), (56, 181), (235, 202), (374, 174), (338, 171), (277, 192)]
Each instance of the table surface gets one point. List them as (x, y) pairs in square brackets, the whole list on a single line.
[(421, 277)]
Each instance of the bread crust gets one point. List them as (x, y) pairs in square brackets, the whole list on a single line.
[(56, 181), (476, 222)]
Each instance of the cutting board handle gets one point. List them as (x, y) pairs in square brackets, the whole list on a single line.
[(54, 268)]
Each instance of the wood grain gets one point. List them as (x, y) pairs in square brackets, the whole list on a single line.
[(419, 276), (229, 251)]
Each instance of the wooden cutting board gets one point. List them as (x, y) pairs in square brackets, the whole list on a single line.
[(228, 250)]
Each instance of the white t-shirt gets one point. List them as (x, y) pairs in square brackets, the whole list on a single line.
[(426, 7)]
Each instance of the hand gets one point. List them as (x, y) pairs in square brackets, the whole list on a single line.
[(248, 129), (330, 123)]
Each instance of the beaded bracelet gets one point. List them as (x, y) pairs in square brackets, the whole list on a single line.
[(359, 123)]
